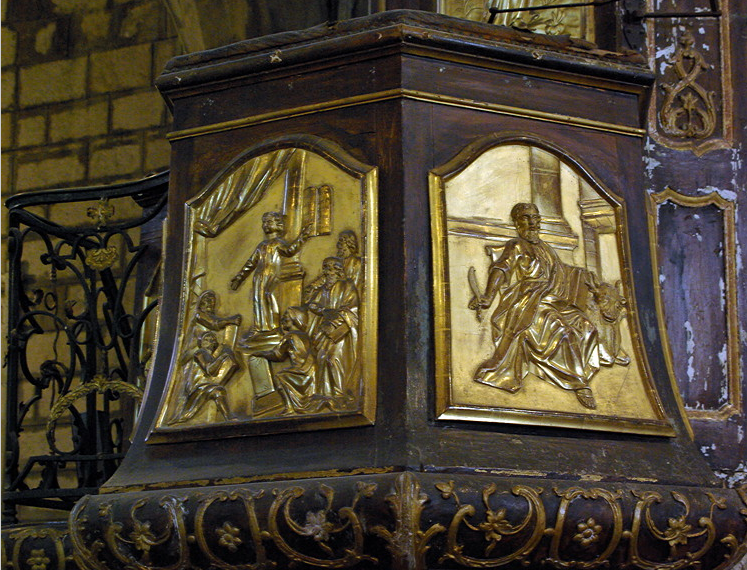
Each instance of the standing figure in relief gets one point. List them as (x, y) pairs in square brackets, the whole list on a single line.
[(536, 327), (347, 250), (265, 262), (334, 329), (297, 383)]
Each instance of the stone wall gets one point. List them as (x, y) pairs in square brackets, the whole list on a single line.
[(79, 108)]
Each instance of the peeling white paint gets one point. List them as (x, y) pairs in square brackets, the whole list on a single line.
[(740, 433), (662, 278), (733, 478), (690, 351)]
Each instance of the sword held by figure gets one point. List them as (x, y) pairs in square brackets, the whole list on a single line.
[(475, 288)]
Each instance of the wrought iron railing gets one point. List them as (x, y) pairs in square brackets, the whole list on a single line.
[(79, 310)]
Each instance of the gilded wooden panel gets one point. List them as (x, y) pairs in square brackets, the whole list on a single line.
[(536, 315), (279, 299)]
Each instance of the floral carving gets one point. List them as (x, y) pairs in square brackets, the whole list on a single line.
[(508, 527), (588, 532), (494, 527), (142, 537), (688, 110), (38, 559), (677, 531), (317, 526), (228, 536)]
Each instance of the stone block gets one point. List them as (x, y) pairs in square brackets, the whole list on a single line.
[(9, 42), (44, 38), (120, 69), (49, 172), (8, 88), (53, 82), (7, 167), (164, 51), (142, 22), (31, 130), (157, 154), (138, 111), (95, 26), (120, 160), (79, 122), (73, 6)]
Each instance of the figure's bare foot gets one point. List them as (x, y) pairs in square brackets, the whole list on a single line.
[(586, 398)]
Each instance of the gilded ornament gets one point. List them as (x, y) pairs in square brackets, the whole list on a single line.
[(38, 559), (102, 258), (679, 532), (228, 536), (408, 543), (545, 330), (494, 528), (294, 345), (319, 527), (101, 213), (688, 110), (588, 532)]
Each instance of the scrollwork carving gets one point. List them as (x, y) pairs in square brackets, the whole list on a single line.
[(688, 110), (589, 532), (474, 524), (229, 535), (495, 526), (320, 526), (131, 549), (678, 532)]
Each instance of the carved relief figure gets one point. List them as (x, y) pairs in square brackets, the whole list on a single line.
[(265, 262), (296, 383), (216, 364), (288, 350), (538, 326), (347, 250), (334, 329)]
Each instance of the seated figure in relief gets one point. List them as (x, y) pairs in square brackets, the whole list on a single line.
[(215, 363), (537, 326), (297, 383)]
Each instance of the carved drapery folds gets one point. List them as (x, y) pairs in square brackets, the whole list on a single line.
[(279, 299), (414, 521), (544, 330)]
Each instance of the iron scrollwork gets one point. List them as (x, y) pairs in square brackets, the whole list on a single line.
[(76, 333)]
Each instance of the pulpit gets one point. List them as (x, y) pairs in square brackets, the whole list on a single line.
[(409, 317)]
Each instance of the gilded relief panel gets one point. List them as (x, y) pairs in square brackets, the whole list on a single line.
[(279, 303), (576, 21), (536, 320)]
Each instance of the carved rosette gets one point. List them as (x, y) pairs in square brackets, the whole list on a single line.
[(414, 521)]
